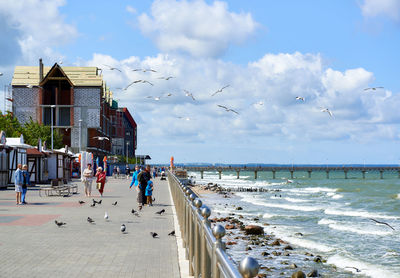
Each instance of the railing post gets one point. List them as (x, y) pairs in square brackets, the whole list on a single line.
[(205, 264), (187, 222), (219, 233), (197, 203), (249, 267), (191, 234), (183, 217)]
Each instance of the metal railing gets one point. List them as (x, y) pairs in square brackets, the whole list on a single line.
[(204, 248)]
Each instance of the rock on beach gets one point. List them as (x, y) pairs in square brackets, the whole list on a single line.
[(253, 230)]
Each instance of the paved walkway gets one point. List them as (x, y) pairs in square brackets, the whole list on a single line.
[(31, 245)]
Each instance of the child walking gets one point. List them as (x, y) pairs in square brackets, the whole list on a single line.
[(149, 193)]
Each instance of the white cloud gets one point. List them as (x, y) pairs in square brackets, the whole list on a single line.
[(359, 116), (389, 8), (131, 9), (195, 27), (37, 27)]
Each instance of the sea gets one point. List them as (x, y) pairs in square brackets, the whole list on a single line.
[(337, 217)]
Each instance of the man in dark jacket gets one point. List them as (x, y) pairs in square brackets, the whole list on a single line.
[(143, 178)]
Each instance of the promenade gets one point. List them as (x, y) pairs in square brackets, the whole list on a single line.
[(32, 245)]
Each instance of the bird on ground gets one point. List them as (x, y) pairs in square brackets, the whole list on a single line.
[(97, 202), (112, 68), (115, 203), (357, 269), (227, 109), (60, 224), (133, 211), (220, 90), (154, 199), (373, 88), (123, 228), (188, 94), (101, 138), (93, 205), (106, 216), (160, 212), (300, 98), (136, 213), (383, 223), (172, 233), (81, 202), (154, 235), (90, 220), (327, 111)]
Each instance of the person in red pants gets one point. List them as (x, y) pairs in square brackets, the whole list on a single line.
[(101, 180)]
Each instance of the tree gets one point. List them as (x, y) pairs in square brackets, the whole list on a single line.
[(10, 125), (32, 131)]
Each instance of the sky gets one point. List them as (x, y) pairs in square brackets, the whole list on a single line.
[(265, 54)]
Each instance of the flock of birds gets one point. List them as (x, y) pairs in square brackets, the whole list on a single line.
[(123, 228), (190, 95)]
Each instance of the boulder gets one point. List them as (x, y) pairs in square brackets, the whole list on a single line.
[(276, 243), (313, 273), (239, 208), (288, 247), (298, 274), (230, 226), (253, 230)]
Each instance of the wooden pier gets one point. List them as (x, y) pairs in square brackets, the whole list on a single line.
[(292, 169)]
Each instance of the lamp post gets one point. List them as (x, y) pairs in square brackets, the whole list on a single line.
[(51, 107), (127, 151), (80, 135)]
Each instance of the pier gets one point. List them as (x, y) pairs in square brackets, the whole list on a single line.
[(292, 169)]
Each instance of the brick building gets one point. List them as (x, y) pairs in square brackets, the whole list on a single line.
[(80, 104)]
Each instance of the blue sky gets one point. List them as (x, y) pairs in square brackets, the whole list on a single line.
[(268, 52)]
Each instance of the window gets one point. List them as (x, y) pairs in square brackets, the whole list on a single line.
[(64, 116)]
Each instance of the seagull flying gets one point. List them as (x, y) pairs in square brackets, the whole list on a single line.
[(300, 98), (169, 94), (1, 73), (145, 81), (166, 78), (327, 111), (373, 88), (59, 224), (130, 84), (112, 68), (227, 109), (220, 90), (184, 118), (188, 94), (383, 223)]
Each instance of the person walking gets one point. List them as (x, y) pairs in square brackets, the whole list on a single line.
[(87, 176), (18, 181), (101, 180), (115, 172), (143, 178), (149, 193), (127, 171), (135, 180), (26, 181)]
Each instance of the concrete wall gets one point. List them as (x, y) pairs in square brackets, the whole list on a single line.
[(25, 102)]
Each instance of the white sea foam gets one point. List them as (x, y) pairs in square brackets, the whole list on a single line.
[(398, 196), (308, 244), (355, 213), (290, 207), (366, 268), (308, 190), (337, 196), (325, 221), (267, 215), (296, 200), (335, 225)]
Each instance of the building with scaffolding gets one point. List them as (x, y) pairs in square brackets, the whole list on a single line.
[(77, 103)]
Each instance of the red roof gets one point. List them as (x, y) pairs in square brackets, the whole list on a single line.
[(129, 117), (33, 152)]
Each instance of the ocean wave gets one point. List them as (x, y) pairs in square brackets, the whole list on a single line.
[(366, 268), (354, 213), (307, 244), (289, 207), (325, 221), (312, 189), (296, 200)]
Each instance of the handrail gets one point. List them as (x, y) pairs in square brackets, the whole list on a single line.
[(198, 237)]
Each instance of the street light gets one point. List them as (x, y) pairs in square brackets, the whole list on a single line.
[(127, 153), (80, 135), (51, 107)]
